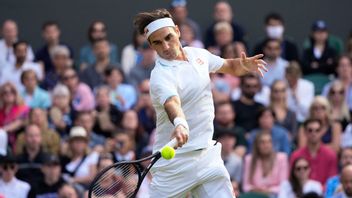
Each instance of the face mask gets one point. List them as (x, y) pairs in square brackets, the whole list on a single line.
[(275, 32)]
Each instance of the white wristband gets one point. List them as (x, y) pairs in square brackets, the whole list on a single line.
[(181, 121)]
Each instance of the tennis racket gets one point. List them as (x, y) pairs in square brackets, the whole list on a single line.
[(123, 179)]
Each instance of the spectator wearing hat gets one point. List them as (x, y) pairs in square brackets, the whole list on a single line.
[(320, 57), (10, 186), (79, 164), (49, 185)]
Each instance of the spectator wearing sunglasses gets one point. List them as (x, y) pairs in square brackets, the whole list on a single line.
[(10, 186)]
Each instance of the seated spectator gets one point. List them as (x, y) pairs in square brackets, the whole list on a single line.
[(300, 92), (232, 161), (188, 36), (320, 57), (275, 29), (233, 50), (61, 113), (264, 168), (50, 138), (51, 34), (97, 30), (49, 185), (13, 111), (346, 180), (278, 104), (93, 75), (275, 64), (33, 95), (68, 190), (9, 35), (144, 107), (123, 95), (86, 120), (79, 164), (322, 159), (299, 182), (3, 143), (333, 184), (330, 129), (223, 34), (224, 121), (131, 54), (82, 98), (32, 156), (344, 75), (10, 186), (13, 73), (279, 135), (123, 147), (60, 56), (108, 117)]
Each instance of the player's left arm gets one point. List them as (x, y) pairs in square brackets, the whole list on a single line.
[(243, 65)]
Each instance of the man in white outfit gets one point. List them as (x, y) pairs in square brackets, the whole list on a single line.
[(181, 96)]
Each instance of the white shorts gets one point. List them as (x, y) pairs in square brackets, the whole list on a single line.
[(201, 173)]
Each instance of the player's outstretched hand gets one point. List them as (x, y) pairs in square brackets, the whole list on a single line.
[(181, 135), (254, 63)]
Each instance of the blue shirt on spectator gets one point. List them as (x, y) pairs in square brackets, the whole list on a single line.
[(331, 186), (87, 55), (39, 99), (128, 94)]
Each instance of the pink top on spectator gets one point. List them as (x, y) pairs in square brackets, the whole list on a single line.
[(83, 98)]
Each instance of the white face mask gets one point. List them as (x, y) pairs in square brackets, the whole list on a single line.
[(275, 32)]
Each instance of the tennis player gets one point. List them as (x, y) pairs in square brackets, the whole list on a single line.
[(181, 95)]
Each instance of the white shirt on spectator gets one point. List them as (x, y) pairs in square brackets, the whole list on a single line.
[(304, 97), (7, 55), (83, 170), (14, 189), (309, 186), (346, 137), (262, 97), (275, 72), (13, 74)]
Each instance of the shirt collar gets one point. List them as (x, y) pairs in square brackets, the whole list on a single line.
[(171, 63)]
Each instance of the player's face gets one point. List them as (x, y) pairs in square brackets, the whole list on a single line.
[(166, 43)]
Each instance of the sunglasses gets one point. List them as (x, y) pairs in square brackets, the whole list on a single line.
[(311, 130), (8, 91), (318, 108), (8, 167), (251, 86), (300, 168), (335, 92), (279, 90), (68, 77)]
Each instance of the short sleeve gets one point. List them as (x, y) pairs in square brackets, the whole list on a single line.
[(162, 87), (215, 62)]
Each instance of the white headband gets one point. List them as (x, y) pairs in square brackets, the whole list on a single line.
[(157, 24)]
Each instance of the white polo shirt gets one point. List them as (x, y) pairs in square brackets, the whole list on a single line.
[(190, 81)]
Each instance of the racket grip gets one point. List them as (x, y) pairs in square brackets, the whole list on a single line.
[(173, 143)]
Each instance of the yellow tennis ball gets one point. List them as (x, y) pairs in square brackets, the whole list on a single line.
[(168, 152)]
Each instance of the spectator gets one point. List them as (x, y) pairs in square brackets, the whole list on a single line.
[(188, 36), (68, 191), (82, 98), (264, 168), (330, 130), (300, 92), (123, 146), (275, 29), (97, 30), (223, 34), (246, 107), (50, 138), (123, 95), (13, 73), (320, 57), (49, 185), (60, 55), (179, 12), (143, 70), (333, 184), (299, 182), (276, 65), (33, 95), (61, 113), (321, 158), (223, 12), (233, 50), (224, 122), (10, 186), (79, 163), (9, 32), (32, 156), (279, 135), (93, 75), (130, 53), (108, 117), (278, 104), (51, 34), (13, 111), (232, 161), (346, 180), (3, 143)]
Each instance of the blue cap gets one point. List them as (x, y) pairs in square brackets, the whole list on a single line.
[(177, 3), (319, 25)]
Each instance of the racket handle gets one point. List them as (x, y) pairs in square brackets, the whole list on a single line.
[(173, 143)]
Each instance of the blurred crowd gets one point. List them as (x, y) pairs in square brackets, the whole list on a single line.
[(64, 116)]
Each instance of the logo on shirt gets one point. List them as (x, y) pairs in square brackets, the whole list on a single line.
[(200, 61)]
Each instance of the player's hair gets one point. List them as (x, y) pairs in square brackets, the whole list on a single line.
[(142, 19), (273, 16)]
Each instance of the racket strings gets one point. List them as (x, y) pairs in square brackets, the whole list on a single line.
[(119, 181)]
